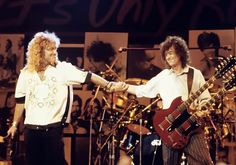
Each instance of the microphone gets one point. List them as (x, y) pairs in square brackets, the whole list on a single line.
[(216, 58), (122, 49), (227, 47)]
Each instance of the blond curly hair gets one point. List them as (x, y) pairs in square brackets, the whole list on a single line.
[(35, 51)]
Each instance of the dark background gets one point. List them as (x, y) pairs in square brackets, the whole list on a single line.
[(146, 21)]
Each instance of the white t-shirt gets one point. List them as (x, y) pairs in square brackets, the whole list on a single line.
[(45, 100), (170, 86)]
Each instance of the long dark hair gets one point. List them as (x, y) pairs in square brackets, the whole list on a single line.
[(180, 47)]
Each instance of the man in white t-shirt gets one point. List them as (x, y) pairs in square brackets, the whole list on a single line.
[(42, 91)]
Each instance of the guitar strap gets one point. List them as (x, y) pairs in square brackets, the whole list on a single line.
[(63, 120), (190, 79)]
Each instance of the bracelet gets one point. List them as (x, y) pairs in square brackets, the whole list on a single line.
[(108, 86), (14, 124)]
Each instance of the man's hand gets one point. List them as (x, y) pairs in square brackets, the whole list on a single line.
[(116, 87), (202, 113), (12, 131)]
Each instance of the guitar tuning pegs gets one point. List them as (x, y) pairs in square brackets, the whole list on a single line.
[(227, 74)]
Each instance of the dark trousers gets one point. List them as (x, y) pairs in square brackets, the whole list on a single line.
[(44, 147), (197, 152)]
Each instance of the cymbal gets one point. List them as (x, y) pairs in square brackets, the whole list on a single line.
[(136, 81), (137, 129)]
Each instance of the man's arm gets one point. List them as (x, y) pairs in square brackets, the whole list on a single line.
[(19, 109), (109, 86), (132, 89), (96, 79)]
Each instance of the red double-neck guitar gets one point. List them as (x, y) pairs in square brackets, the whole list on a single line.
[(175, 124)]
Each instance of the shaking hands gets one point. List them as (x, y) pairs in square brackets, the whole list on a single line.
[(116, 86)]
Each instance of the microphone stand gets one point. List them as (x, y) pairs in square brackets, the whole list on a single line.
[(116, 125), (111, 136), (140, 140), (124, 49), (111, 144), (140, 127), (91, 107), (90, 138), (99, 139), (110, 140)]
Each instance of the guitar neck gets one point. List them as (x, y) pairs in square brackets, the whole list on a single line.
[(193, 118), (213, 99), (228, 85), (195, 95), (222, 69)]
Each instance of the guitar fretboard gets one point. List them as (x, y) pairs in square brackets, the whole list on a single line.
[(193, 118), (195, 95)]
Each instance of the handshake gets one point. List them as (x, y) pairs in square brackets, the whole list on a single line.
[(116, 87)]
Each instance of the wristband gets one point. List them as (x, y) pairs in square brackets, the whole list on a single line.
[(14, 124), (108, 86)]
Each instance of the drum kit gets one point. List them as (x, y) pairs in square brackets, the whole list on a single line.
[(131, 129), (220, 126)]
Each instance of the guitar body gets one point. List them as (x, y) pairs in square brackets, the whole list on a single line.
[(173, 126)]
